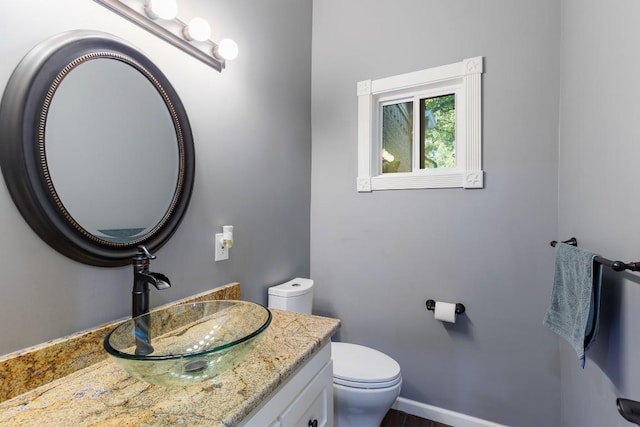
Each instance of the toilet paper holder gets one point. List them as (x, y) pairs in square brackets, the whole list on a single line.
[(431, 305)]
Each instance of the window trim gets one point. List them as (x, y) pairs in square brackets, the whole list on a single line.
[(462, 78)]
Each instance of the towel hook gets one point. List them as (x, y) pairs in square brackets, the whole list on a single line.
[(572, 241)]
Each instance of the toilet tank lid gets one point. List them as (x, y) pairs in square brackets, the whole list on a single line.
[(356, 363), (292, 288)]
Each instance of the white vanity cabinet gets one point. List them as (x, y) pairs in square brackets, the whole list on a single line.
[(303, 400)]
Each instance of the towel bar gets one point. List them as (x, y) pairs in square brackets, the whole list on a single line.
[(614, 265)]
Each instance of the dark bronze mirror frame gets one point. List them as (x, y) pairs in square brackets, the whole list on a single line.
[(23, 160)]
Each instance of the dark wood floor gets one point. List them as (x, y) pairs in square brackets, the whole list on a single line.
[(401, 419)]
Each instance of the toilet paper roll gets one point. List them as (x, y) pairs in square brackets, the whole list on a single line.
[(445, 312)]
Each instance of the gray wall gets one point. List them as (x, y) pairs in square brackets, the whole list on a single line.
[(378, 257), (251, 126), (598, 203)]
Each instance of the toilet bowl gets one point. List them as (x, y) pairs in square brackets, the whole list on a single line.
[(366, 382)]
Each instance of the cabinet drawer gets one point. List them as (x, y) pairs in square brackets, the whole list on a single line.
[(315, 403)]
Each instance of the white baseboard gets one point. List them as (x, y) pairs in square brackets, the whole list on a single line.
[(440, 415)]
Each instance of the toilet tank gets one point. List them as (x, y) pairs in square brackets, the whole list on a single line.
[(294, 295)]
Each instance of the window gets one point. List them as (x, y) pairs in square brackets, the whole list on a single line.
[(421, 129)]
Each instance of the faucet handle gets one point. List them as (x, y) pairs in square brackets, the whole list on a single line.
[(144, 253), (142, 260)]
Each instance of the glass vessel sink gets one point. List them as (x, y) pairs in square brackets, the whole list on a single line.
[(187, 343)]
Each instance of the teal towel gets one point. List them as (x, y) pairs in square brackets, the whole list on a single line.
[(575, 298)]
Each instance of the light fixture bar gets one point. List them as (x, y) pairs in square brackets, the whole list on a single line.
[(170, 30)]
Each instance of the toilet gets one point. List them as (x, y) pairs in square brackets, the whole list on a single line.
[(366, 382)]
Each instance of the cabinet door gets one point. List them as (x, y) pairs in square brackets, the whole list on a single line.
[(270, 411), (314, 406)]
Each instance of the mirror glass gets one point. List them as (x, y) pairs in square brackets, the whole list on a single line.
[(96, 151), (113, 144)]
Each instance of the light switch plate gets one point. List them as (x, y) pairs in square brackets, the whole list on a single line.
[(221, 253)]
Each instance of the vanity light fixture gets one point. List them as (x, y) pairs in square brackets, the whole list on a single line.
[(159, 17)]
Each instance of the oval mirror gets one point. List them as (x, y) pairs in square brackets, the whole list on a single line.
[(96, 148)]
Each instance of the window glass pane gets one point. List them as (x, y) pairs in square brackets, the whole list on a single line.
[(438, 132), (397, 137)]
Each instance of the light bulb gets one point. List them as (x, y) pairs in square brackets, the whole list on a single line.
[(227, 49), (164, 9), (198, 29)]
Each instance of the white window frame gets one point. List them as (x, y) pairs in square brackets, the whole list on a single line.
[(462, 79)]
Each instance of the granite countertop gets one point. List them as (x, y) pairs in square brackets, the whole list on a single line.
[(103, 394)]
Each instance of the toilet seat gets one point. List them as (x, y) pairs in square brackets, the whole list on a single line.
[(362, 367)]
